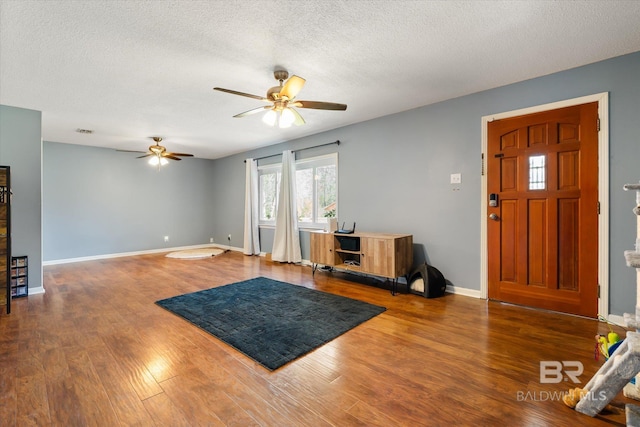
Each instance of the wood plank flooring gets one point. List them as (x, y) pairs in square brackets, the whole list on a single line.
[(95, 350)]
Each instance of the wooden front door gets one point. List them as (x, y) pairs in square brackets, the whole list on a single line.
[(542, 233)]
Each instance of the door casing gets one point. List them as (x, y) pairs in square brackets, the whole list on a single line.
[(603, 191)]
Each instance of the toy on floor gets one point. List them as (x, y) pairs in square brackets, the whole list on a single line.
[(572, 398), (606, 345)]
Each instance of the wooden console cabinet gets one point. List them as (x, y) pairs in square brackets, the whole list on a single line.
[(377, 254)]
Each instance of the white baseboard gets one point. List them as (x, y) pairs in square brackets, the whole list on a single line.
[(36, 291), (616, 320), (150, 251), (303, 262), (474, 293)]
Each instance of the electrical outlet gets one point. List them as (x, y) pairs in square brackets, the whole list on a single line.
[(166, 238), (210, 239), (456, 178), (229, 237)]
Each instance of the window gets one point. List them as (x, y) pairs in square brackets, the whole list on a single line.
[(316, 188), (269, 186), (537, 173)]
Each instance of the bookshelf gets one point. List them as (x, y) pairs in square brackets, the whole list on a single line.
[(19, 276)]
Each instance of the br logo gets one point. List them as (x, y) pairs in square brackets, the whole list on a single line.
[(553, 371)]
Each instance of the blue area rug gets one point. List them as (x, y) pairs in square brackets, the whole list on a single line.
[(270, 321)]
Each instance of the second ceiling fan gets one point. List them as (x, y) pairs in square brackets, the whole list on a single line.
[(159, 154), (281, 100)]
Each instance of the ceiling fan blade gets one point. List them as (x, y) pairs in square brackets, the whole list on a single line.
[(131, 151), (146, 155), (235, 92), (253, 111), (292, 87), (178, 154), (318, 105), (169, 156), (298, 118)]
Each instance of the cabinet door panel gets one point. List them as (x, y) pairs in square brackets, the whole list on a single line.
[(377, 256), (322, 248)]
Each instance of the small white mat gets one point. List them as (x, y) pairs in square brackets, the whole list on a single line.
[(195, 253)]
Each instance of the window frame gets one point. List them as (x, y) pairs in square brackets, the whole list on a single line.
[(316, 161)]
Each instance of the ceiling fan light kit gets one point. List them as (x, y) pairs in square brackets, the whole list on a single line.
[(157, 160), (287, 118), (283, 119), (158, 155), (270, 117), (282, 100)]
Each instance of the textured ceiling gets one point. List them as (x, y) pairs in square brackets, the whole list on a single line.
[(133, 69)]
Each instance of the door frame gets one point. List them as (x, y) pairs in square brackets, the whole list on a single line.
[(603, 191)]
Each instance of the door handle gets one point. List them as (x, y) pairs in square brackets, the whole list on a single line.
[(494, 217)]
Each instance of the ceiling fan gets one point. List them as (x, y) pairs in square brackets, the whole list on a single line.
[(158, 153), (281, 100)]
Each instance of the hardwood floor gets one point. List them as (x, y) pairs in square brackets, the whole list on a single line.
[(95, 350)]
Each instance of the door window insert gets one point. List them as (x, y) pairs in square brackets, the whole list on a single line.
[(537, 173)]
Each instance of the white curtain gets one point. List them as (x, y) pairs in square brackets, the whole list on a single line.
[(251, 231), (286, 240)]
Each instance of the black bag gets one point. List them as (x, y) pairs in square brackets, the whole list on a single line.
[(428, 281)]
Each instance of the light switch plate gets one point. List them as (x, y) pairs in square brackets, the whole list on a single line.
[(456, 178)]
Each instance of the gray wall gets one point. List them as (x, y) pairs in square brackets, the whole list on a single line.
[(21, 148), (99, 201), (394, 171)]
